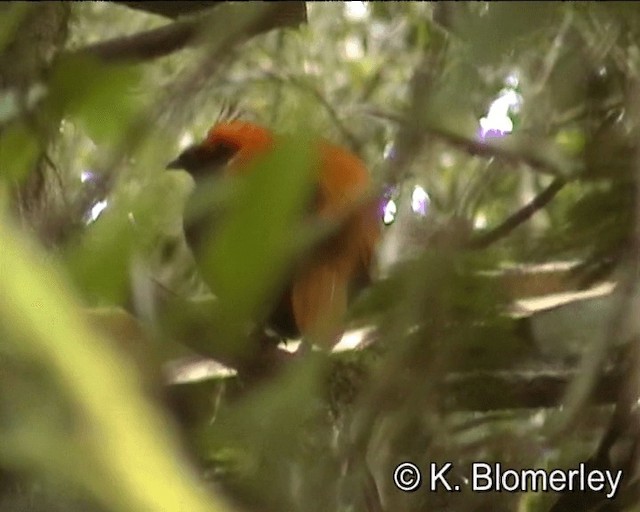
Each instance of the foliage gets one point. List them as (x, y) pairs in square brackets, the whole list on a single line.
[(408, 87)]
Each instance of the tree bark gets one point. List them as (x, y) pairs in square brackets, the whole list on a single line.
[(38, 36)]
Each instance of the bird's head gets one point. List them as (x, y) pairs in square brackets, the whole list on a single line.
[(235, 140)]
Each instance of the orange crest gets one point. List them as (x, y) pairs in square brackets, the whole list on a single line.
[(250, 138)]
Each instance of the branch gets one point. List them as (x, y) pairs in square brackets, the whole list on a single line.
[(486, 391), (170, 9), (479, 148), (519, 217), (354, 143), (480, 391), (182, 33)]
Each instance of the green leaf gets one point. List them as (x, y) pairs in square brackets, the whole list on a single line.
[(98, 96), (493, 30), (253, 247), (258, 439), (571, 140), (129, 459), (12, 15), (99, 266), (19, 151)]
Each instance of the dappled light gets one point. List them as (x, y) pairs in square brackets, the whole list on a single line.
[(498, 121)]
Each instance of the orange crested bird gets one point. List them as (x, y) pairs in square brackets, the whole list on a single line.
[(315, 298)]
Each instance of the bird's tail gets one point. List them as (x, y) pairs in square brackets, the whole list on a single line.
[(319, 300)]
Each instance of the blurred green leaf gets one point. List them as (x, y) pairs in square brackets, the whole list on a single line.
[(271, 417), (130, 460), (11, 15), (250, 253), (100, 97), (19, 151), (572, 141), (259, 440), (99, 264), (493, 30)]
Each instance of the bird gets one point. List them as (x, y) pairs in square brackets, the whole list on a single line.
[(317, 293)]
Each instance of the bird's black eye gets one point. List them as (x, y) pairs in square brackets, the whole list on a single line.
[(204, 159)]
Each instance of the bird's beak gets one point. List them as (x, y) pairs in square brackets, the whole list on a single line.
[(176, 164)]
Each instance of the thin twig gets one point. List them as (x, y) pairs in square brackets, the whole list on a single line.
[(552, 56), (353, 142), (479, 148), (519, 217)]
